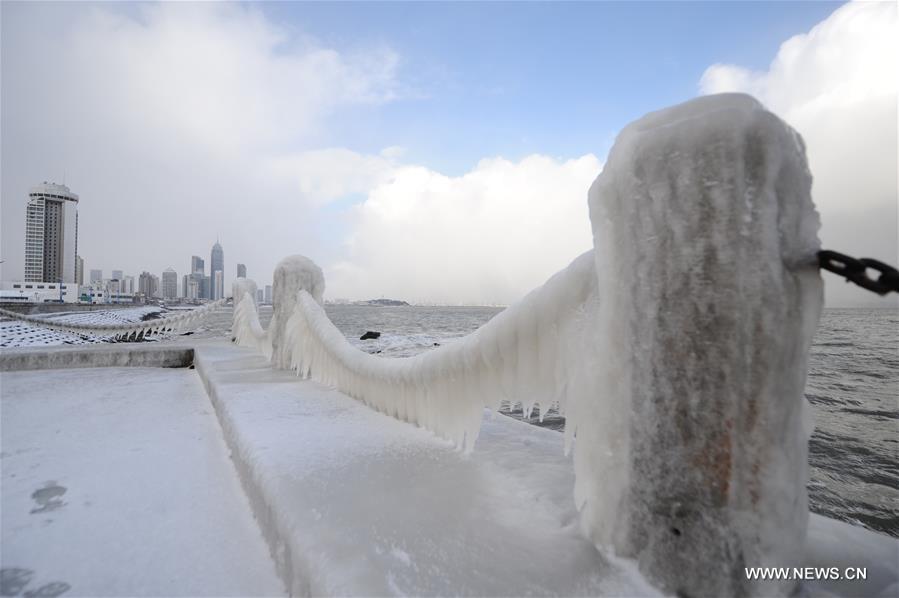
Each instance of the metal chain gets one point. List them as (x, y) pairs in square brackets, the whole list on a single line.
[(856, 270)]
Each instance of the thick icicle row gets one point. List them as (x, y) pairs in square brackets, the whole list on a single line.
[(522, 355), (246, 329), (128, 331)]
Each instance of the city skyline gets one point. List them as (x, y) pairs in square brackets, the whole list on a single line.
[(193, 286), (405, 165)]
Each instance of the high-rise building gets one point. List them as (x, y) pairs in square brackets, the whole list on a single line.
[(241, 271), (117, 275), (219, 285), (96, 276), (196, 275), (79, 270), (197, 265), (169, 284), (268, 293), (127, 285), (259, 296), (51, 234), (190, 287), (206, 288), (216, 264), (148, 284)]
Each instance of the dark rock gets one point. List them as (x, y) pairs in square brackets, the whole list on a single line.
[(369, 334)]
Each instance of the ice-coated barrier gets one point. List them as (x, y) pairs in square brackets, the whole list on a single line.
[(705, 241), (56, 358), (676, 349), (170, 324)]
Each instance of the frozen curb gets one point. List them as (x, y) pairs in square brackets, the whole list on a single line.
[(355, 503), (93, 357), (266, 516)]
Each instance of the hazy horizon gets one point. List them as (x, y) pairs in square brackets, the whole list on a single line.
[(432, 153)]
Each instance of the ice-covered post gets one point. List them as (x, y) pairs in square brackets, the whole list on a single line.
[(705, 238), (239, 289), (292, 274)]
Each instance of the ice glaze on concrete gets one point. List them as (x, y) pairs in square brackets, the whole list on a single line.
[(116, 482), (122, 355)]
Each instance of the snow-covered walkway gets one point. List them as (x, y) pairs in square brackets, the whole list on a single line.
[(117, 482)]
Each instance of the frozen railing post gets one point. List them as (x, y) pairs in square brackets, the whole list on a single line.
[(292, 274), (705, 238), (241, 287)]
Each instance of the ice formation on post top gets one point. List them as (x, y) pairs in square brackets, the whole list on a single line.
[(293, 274), (676, 349)]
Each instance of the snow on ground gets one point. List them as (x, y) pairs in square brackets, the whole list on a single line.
[(116, 482)]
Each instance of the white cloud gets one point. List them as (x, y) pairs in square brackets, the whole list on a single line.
[(176, 122), (490, 235), (328, 174), (837, 85)]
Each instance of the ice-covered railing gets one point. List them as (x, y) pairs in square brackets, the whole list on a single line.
[(127, 331), (677, 349), (521, 355), (246, 329)]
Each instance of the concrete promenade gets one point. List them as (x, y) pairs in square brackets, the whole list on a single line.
[(117, 481)]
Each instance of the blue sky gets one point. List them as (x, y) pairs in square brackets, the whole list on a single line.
[(561, 79)]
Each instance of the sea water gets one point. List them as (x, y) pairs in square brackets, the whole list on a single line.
[(853, 387)]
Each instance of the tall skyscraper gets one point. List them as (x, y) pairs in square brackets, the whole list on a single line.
[(96, 276), (51, 234), (169, 284), (241, 271), (117, 275), (148, 284), (79, 270), (216, 264), (196, 278), (190, 287), (197, 265), (127, 285), (219, 284), (268, 293)]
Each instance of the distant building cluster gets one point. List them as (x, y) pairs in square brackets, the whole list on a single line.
[(55, 272)]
